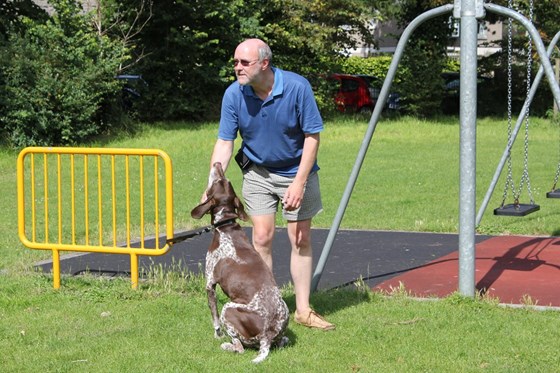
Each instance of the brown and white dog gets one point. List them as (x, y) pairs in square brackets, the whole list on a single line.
[(256, 315)]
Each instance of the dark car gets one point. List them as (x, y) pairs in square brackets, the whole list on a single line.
[(351, 93), (451, 91), (132, 88)]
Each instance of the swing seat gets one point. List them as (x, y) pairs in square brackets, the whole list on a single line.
[(553, 194), (520, 209)]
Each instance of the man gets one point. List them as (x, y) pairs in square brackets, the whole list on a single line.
[(277, 117)]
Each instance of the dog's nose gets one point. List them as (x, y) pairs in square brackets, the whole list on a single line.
[(218, 169)]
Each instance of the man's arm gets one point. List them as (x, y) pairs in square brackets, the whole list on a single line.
[(223, 150)]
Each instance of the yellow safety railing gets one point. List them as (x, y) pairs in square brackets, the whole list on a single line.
[(101, 200)]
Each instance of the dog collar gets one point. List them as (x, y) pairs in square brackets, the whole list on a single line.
[(224, 222)]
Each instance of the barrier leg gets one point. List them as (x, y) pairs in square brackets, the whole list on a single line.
[(134, 270), (56, 269)]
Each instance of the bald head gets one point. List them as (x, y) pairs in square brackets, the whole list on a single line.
[(252, 67), (255, 47)]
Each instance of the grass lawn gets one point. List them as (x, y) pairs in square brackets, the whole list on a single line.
[(409, 181)]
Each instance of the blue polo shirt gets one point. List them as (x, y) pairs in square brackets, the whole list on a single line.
[(273, 130)]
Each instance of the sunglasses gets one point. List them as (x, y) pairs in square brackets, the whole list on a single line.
[(244, 63)]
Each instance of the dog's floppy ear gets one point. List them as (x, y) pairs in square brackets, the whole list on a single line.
[(202, 209), (240, 209)]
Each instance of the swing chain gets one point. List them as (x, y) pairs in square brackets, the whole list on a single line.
[(525, 177), (509, 179), (557, 175)]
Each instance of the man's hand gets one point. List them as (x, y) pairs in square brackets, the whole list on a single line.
[(293, 196)]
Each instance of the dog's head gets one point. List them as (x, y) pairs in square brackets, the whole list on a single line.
[(221, 201)]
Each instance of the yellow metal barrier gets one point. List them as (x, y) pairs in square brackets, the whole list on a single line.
[(92, 199)]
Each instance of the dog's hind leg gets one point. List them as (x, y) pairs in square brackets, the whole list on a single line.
[(234, 346), (240, 322), (263, 351)]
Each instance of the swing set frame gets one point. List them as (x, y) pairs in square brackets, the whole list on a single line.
[(469, 12), (529, 99)]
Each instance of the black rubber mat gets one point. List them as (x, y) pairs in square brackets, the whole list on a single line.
[(373, 256)]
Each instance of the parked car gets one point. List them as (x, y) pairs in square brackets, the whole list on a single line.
[(374, 87), (351, 93)]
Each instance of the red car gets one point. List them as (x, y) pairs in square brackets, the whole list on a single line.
[(353, 94)]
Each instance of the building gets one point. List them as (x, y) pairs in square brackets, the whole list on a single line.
[(387, 36), (88, 4)]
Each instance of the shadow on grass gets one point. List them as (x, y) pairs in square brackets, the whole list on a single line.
[(330, 301)]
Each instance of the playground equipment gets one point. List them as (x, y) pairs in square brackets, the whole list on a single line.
[(514, 133), (555, 193), (516, 208), (89, 199), (469, 12)]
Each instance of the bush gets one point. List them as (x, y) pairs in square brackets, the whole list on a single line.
[(374, 66), (58, 79), (493, 100), (420, 97)]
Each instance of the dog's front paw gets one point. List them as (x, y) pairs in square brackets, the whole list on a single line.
[(218, 333)]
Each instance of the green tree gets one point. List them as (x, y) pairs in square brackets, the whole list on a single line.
[(58, 79), (189, 46), (425, 57), (11, 11), (312, 37), (546, 16), (180, 52)]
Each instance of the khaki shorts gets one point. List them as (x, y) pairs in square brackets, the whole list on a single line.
[(263, 191)]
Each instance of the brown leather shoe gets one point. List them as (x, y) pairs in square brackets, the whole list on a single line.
[(313, 320)]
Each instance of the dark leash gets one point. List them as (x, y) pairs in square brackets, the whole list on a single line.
[(190, 234), (197, 232)]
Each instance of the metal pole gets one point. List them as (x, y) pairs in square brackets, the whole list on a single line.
[(467, 159), (515, 131), (383, 95)]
